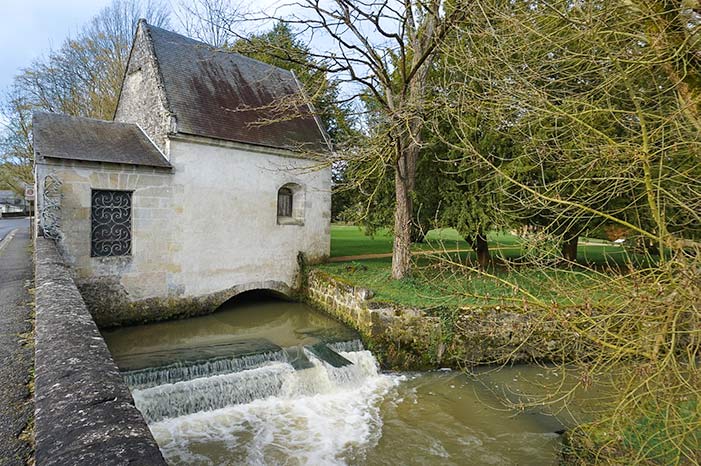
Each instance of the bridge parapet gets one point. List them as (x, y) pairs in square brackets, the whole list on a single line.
[(85, 413)]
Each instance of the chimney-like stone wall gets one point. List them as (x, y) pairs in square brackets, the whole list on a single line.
[(143, 99)]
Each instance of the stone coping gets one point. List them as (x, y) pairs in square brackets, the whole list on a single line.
[(85, 413)]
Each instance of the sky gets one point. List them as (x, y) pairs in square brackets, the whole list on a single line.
[(29, 29)]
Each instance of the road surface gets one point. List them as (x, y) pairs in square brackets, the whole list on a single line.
[(9, 224), (16, 355)]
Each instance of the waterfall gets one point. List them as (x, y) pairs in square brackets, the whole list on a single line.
[(188, 370), (290, 414), (347, 346), (189, 387), (209, 393), (252, 409)]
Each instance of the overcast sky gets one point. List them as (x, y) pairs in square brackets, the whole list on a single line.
[(30, 28)]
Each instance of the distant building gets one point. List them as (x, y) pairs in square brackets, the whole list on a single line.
[(200, 188), (12, 203)]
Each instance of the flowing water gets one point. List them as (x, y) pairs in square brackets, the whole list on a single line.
[(273, 382)]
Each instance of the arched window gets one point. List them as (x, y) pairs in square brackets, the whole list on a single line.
[(290, 204), (284, 202)]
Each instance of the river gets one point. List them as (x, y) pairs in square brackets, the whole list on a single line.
[(264, 381)]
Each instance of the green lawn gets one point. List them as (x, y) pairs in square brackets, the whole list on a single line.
[(348, 240), (439, 280), (436, 285)]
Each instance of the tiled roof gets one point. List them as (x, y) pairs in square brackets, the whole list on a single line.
[(77, 138), (225, 95)]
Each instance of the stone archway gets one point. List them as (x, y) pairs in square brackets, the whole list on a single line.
[(274, 286)]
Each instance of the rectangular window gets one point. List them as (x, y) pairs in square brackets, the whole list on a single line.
[(111, 223)]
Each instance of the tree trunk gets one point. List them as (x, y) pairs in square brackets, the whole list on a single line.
[(401, 252), (480, 245), (407, 141), (569, 248)]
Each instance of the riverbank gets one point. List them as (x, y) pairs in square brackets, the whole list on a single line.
[(411, 338), (600, 314), (522, 308)]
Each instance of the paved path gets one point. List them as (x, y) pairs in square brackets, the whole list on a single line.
[(16, 358)]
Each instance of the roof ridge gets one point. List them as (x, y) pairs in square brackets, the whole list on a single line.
[(213, 48), (65, 115)]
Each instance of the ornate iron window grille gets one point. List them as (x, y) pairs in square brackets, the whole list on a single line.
[(111, 223)]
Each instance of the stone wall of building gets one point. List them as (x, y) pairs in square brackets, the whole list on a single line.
[(225, 216), (412, 339), (85, 413), (109, 281), (201, 233), (143, 100)]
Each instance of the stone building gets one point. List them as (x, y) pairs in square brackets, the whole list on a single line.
[(206, 184)]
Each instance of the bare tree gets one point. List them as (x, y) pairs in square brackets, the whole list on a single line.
[(210, 21), (383, 51), (81, 78)]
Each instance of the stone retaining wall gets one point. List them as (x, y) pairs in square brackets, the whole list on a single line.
[(84, 411), (412, 339)]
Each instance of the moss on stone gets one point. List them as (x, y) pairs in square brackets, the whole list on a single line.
[(413, 339)]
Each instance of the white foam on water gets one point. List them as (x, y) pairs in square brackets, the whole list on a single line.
[(322, 415), (210, 393)]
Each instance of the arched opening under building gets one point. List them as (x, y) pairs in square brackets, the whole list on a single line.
[(252, 322), (255, 295)]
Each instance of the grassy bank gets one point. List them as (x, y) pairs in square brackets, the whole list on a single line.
[(445, 275), (436, 284)]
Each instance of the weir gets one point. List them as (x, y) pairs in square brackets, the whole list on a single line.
[(272, 382), (251, 380)]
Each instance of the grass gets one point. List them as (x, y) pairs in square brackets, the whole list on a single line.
[(438, 280), (435, 285), (657, 438), (349, 240)]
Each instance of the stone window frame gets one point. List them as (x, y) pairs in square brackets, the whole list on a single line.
[(296, 209), (130, 222)]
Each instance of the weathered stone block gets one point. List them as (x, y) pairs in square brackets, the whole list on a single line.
[(84, 411)]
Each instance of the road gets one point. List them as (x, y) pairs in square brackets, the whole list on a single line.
[(9, 224), (16, 354)]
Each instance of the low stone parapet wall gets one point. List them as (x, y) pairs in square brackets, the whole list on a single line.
[(84, 411), (409, 338)]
